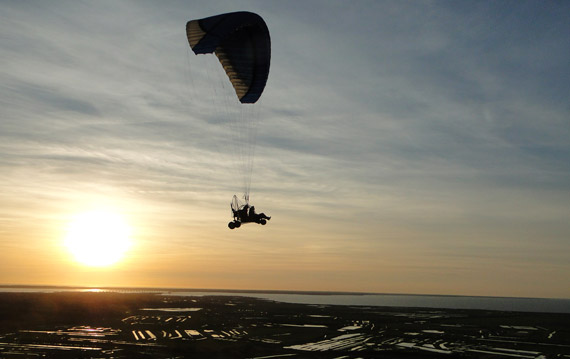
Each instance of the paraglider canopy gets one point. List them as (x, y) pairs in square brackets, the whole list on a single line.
[(241, 42)]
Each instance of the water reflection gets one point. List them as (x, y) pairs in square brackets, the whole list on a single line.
[(127, 325)]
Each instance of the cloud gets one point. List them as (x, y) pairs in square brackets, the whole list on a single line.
[(399, 123)]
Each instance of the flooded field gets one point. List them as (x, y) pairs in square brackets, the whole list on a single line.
[(113, 325)]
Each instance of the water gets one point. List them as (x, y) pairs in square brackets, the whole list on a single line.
[(541, 305)]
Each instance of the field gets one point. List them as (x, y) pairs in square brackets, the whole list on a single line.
[(116, 325)]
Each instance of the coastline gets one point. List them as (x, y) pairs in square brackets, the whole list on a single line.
[(514, 304), (83, 324)]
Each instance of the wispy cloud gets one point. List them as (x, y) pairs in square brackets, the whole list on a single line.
[(385, 126)]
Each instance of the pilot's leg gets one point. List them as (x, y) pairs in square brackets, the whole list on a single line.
[(262, 215)]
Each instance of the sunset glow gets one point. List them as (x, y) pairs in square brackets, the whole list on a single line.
[(415, 147), (98, 238)]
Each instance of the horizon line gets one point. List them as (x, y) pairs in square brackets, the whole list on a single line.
[(150, 290)]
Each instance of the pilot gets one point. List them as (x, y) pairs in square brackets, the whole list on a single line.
[(256, 217)]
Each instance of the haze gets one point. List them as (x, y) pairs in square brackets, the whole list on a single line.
[(404, 147)]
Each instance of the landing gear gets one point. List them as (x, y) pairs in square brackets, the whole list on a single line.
[(234, 224), (243, 213), (237, 224)]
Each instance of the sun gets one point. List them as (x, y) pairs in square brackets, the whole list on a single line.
[(98, 238)]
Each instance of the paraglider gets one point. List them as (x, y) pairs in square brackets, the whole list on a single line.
[(241, 42), (244, 213)]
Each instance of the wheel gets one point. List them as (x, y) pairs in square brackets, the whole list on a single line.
[(238, 224), (262, 222), (232, 225)]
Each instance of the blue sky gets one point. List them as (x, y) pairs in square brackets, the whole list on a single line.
[(403, 146)]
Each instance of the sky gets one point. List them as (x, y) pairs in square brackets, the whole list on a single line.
[(402, 147)]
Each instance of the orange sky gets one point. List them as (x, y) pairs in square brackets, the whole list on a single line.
[(415, 149)]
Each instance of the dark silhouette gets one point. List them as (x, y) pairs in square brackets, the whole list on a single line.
[(243, 212), (256, 217), (71, 325), (246, 214)]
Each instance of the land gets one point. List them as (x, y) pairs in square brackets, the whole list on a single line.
[(126, 325)]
